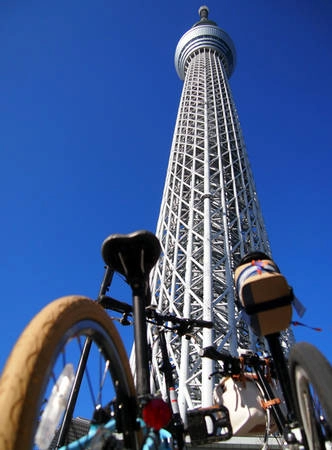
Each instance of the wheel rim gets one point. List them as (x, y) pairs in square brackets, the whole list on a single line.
[(310, 411), (99, 386)]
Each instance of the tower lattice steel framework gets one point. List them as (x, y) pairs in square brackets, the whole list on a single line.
[(209, 217)]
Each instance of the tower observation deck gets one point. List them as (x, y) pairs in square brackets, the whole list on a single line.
[(209, 216)]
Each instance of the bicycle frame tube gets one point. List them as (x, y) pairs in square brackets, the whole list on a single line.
[(86, 440), (153, 441)]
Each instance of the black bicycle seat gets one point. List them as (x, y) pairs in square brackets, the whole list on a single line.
[(132, 255)]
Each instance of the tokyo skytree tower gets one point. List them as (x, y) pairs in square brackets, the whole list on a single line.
[(209, 217)]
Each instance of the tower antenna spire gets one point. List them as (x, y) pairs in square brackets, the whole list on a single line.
[(204, 12)]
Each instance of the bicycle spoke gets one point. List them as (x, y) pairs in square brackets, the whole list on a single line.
[(102, 382)]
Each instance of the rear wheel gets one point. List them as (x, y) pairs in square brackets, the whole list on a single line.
[(311, 378), (40, 373)]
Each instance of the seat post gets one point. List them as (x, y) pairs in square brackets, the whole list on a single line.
[(139, 288)]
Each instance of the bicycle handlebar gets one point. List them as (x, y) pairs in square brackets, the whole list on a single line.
[(212, 353), (183, 325), (200, 323), (182, 322), (231, 363)]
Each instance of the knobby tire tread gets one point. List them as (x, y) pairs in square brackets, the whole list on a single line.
[(23, 375)]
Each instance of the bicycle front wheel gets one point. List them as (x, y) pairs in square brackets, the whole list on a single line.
[(311, 379), (40, 376)]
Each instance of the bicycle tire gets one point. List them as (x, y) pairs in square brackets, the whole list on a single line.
[(311, 380), (24, 379)]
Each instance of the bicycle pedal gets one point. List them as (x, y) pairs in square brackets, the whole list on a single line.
[(207, 425)]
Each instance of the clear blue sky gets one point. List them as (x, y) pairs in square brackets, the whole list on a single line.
[(88, 101)]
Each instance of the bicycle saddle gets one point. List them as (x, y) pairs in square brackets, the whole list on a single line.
[(132, 255)]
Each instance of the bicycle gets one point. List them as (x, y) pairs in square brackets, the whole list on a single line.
[(290, 399), (300, 411), (72, 346), (95, 362)]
